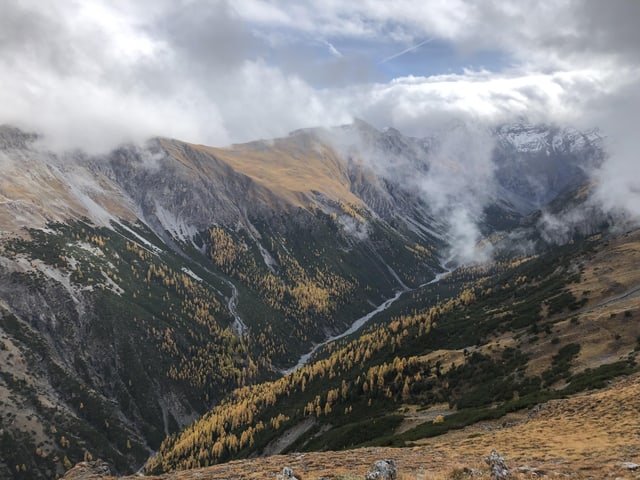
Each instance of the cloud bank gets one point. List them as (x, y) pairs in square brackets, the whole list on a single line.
[(98, 73)]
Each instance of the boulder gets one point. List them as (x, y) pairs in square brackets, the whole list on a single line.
[(497, 465), (471, 472), (382, 470), (630, 466), (287, 474), (531, 470)]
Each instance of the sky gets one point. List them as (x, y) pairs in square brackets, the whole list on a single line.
[(93, 74)]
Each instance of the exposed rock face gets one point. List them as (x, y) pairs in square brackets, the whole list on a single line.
[(382, 470), (499, 470), (88, 471), (536, 163), (531, 470)]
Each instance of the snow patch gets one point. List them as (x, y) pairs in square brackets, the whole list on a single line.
[(527, 139)]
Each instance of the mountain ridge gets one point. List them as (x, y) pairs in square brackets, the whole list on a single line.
[(140, 287)]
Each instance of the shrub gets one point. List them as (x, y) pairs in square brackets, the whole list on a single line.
[(438, 419)]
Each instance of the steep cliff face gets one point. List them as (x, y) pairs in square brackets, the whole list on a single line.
[(138, 288), (535, 164)]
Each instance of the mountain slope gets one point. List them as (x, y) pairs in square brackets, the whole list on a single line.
[(586, 436), (116, 336), (495, 342), (139, 288)]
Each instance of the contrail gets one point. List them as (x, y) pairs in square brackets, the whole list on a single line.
[(396, 55), (334, 51)]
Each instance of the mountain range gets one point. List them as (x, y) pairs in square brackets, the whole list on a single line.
[(142, 288)]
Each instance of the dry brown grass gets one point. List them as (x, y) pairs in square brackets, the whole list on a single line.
[(291, 170), (606, 328), (608, 325), (591, 432), (43, 195), (586, 436)]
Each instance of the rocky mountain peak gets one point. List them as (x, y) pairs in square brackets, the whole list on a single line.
[(14, 138)]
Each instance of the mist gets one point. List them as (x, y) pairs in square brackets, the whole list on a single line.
[(451, 170), (459, 184)]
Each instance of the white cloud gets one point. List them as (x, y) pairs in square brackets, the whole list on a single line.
[(93, 74), (618, 185), (418, 105)]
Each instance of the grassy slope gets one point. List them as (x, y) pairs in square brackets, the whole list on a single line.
[(584, 436), (478, 353)]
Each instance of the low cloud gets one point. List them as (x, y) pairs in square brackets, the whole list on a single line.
[(618, 182), (458, 186), (452, 171)]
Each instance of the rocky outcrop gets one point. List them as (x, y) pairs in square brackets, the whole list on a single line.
[(498, 466), (382, 470), (95, 470), (287, 474)]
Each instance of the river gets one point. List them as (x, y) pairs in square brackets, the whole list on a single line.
[(355, 326)]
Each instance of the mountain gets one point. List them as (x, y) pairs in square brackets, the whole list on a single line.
[(528, 169), (139, 288)]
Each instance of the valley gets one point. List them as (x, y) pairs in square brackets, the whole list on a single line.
[(319, 240), (483, 362), (171, 306)]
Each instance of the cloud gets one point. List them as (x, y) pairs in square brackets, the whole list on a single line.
[(458, 185), (84, 77), (618, 182), (97, 73), (452, 171), (418, 104)]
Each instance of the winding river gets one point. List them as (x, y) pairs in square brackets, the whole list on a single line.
[(355, 326)]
